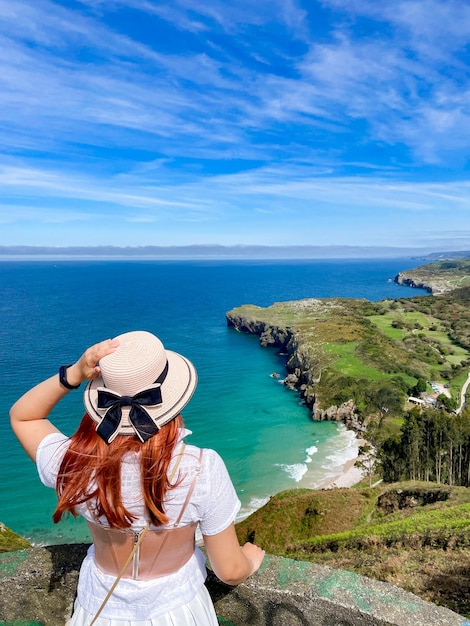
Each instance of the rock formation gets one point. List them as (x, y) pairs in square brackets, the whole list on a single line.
[(407, 279), (438, 278), (303, 369)]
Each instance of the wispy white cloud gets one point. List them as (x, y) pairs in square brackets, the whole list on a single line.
[(272, 190), (431, 27), (23, 213), (177, 96), (221, 109), (27, 183), (410, 82)]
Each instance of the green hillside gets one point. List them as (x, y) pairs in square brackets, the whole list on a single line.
[(372, 353), (404, 364), (413, 535), (10, 541)]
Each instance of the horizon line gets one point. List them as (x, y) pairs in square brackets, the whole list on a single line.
[(220, 251)]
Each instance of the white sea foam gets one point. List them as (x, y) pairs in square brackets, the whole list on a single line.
[(257, 503), (330, 457), (295, 471), (346, 449), (310, 452), (254, 504)]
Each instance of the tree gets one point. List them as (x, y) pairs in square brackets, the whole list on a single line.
[(366, 461), (392, 461), (449, 404), (420, 387)]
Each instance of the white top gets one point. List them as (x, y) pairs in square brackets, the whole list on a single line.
[(214, 504)]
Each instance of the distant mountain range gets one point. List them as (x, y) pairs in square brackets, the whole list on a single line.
[(445, 256), (227, 252)]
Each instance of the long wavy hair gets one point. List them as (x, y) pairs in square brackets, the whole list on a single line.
[(90, 472)]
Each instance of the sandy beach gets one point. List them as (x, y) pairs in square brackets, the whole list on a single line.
[(350, 475)]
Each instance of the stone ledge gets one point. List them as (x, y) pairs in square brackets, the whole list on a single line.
[(38, 585)]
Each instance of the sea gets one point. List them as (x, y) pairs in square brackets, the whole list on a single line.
[(52, 309)]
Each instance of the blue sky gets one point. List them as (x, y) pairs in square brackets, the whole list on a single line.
[(140, 122)]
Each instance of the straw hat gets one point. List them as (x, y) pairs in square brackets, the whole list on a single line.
[(140, 388)]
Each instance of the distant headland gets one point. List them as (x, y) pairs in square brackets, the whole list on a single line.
[(439, 277), (215, 251), (349, 358)]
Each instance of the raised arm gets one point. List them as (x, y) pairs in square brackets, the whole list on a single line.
[(28, 414), (231, 562)]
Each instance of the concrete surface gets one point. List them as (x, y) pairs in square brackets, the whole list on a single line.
[(37, 586)]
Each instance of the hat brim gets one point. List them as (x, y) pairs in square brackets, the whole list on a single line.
[(177, 390)]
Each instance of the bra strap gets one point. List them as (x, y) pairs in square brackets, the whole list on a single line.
[(190, 490)]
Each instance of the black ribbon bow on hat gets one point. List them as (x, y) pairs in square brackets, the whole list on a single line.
[(141, 421)]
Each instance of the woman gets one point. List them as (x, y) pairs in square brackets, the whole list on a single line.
[(142, 490)]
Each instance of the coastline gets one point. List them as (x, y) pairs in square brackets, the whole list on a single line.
[(233, 367), (350, 474)]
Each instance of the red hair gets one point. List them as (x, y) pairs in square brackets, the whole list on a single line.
[(91, 472)]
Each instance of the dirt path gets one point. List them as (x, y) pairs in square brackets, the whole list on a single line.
[(463, 393)]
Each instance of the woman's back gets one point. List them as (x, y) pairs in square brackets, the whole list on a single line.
[(213, 505), (126, 468)]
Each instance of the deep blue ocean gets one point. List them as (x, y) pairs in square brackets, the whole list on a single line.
[(51, 310)]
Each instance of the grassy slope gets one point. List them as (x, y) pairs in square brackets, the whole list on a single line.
[(10, 541), (414, 535), (391, 340)]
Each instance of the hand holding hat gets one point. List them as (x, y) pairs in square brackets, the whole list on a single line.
[(87, 367), (138, 387)]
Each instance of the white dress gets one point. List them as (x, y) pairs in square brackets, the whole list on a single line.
[(180, 598)]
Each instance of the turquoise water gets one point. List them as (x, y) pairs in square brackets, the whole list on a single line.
[(50, 311)]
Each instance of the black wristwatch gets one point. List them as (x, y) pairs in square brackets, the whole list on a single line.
[(63, 378)]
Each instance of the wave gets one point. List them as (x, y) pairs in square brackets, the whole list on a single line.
[(310, 452), (295, 471), (245, 511), (346, 449)]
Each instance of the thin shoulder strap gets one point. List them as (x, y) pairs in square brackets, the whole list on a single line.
[(119, 576), (197, 471), (177, 464)]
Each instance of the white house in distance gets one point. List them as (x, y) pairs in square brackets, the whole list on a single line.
[(416, 400)]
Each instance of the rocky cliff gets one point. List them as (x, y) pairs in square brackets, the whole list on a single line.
[(437, 278), (411, 279), (302, 365)]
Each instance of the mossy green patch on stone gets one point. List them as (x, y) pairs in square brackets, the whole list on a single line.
[(290, 571), (345, 583), (10, 561), (21, 623), (348, 584)]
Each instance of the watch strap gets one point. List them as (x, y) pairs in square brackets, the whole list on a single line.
[(63, 378)]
